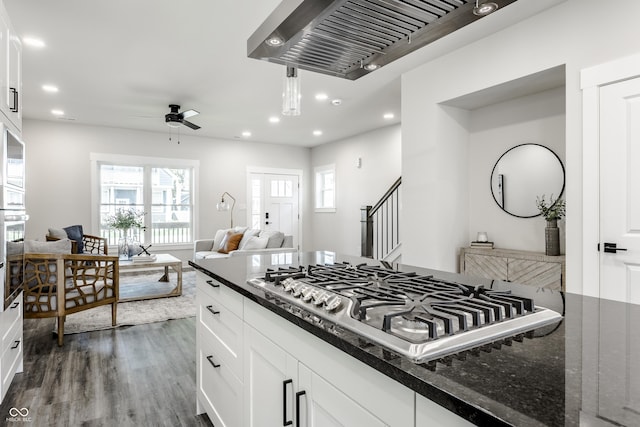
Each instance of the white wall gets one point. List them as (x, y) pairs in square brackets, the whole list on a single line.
[(576, 33), (380, 151), (58, 171), (539, 119)]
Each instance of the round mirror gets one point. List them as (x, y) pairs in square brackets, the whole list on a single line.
[(524, 173)]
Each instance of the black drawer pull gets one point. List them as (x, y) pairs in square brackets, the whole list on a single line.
[(212, 283), (213, 310), (285, 422), (15, 305), (298, 396), (214, 364), (15, 345)]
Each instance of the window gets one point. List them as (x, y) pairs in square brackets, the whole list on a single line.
[(325, 188), (164, 192)]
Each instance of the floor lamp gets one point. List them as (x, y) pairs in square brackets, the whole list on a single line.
[(223, 205)]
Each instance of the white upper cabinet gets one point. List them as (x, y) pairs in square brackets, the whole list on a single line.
[(11, 72)]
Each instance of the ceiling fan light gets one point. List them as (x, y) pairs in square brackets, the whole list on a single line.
[(484, 8), (173, 124)]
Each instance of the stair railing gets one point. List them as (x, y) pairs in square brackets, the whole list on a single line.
[(380, 228)]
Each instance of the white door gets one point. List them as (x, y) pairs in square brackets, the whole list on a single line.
[(275, 203), (618, 367), (620, 191)]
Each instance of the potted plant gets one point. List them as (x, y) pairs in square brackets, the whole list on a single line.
[(125, 220), (552, 211)]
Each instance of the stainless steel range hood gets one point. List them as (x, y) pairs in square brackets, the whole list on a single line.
[(349, 38)]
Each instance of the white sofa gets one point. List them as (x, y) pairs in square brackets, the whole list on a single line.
[(253, 241)]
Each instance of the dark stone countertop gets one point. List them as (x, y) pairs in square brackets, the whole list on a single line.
[(565, 374)]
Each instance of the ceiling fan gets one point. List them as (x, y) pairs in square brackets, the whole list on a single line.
[(176, 118)]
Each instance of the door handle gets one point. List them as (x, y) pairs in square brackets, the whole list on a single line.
[(298, 396), (612, 248), (285, 421), (15, 100)]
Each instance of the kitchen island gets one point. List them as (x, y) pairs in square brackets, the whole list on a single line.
[(561, 375)]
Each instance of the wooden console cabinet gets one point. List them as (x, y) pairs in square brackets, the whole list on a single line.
[(528, 268)]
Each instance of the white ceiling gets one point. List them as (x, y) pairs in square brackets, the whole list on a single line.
[(121, 63)]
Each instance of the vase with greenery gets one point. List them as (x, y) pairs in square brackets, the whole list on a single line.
[(552, 211), (125, 221)]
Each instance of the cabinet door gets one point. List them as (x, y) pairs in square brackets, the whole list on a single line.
[(270, 382), (320, 404), (15, 79), (429, 413), (4, 60), (535, 273), (490, 267)]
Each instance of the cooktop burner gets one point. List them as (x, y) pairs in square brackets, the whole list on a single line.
[(419, 316)]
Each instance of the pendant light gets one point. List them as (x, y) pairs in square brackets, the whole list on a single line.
[(291, 95)]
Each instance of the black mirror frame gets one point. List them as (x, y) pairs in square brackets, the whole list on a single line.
[(564, 177)]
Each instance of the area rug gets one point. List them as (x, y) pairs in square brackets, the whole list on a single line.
[(137, 312)]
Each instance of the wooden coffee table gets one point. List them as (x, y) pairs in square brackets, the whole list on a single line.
[(163, 287)]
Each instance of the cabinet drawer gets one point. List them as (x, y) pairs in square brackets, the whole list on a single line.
[(485, 266), (230, 299), (11, 356), (222, 328), (536, 273), (219, 388), (9, 319)]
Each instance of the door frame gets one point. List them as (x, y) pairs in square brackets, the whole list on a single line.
[(591, 80), (279, 171)]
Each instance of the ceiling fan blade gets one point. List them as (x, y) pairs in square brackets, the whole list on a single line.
[(191, 125), (189, 113)]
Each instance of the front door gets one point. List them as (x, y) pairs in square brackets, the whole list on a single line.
[(275, 203), (620, 191)]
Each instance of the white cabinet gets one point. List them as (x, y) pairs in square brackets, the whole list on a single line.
[(271, 380), (219, 352), (256, 369), (429, 413), (11, 71), (11, 345), (321, 404)]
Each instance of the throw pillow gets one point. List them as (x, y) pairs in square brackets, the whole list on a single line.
[(230, 242), (74, 232), (217, 240), (275, 238), (56, 247), (255, 242), (247, 235), (58, 233)]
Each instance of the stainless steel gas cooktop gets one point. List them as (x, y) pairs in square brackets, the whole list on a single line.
[(418, 316)]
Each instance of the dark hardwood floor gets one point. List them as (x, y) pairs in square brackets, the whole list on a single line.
[(135, 376)]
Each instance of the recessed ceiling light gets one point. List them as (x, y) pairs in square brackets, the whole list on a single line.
[(336, 102), (371, 67), (57, 112), (322, 97), (484, 8), (246, 134), (274, 119), (388, 116), (274, 41), (33, 42), (317, 132), (49, 88)]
